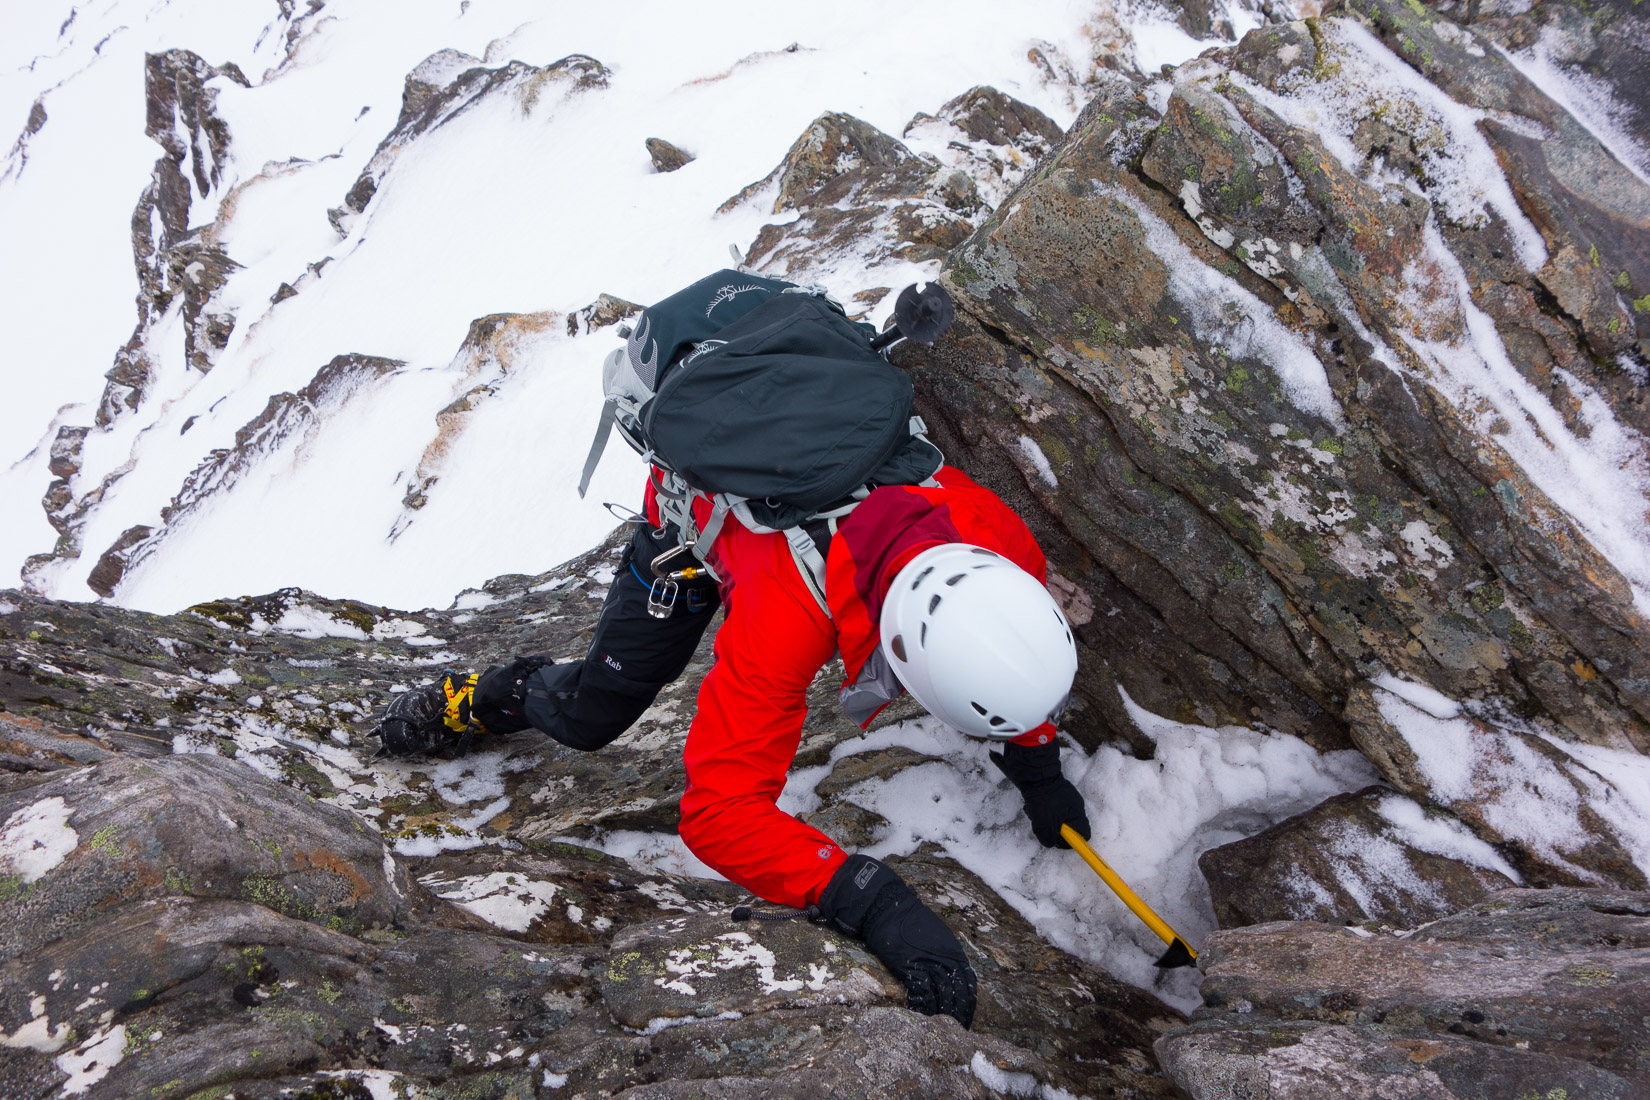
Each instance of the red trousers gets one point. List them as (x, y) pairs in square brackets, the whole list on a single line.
[(752, 704)]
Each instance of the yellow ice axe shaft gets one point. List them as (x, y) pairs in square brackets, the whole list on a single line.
[(1180, 952)]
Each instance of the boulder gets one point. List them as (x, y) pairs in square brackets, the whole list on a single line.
[(989, 139), (859, 192), (665, 156), (1528, 992), (1353, 859), (127, 830), (1487, 771)]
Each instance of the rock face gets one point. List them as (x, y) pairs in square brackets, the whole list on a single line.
[(1347, 861), (207, 883), (1222, 369), (1528, 993), (665, 156)]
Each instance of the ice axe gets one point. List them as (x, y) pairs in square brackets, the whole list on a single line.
[(1179, 952), (922, 314)]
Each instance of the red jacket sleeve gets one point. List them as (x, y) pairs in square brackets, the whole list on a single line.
[(751, 708)]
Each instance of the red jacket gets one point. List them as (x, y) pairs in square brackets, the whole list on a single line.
[(774, 642)]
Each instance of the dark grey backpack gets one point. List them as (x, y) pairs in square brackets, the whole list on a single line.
[(763, 397)]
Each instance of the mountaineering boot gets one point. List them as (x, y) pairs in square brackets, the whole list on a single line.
[(868, 901), (500, 694), (438, 715), (1051, 800)]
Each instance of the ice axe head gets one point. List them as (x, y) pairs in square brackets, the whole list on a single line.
[(923, 315), (1178, 954)]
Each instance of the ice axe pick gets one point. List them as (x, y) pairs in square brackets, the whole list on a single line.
[(1179, 952)]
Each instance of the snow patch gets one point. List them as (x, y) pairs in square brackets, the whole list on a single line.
[(38, 1033), (1151, 819), (92, 1060), (509, 901), (1034, 454), (1225, 315), (1588, 99), (1368, 81), (1602, 481), (655, 853), (1523, 793), (36, 839), (1001, 1080)]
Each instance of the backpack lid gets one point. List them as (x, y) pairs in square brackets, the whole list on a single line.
[(788, 405), (668, 329)]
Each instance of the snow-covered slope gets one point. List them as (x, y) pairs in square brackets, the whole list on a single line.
[(534, 198)]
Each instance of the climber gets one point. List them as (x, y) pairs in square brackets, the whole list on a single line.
[(934, 588), (791, 486)]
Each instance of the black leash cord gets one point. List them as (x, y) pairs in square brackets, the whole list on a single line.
[(745, 912)]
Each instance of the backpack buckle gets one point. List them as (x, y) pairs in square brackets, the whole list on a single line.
[(661, 597)]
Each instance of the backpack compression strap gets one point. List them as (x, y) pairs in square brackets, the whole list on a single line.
[(604, 428)]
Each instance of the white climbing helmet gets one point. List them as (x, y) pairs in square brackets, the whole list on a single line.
[(978, 641)]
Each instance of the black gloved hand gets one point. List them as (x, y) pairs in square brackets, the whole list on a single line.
[(500, 694), (870, 902), (1051, 801)]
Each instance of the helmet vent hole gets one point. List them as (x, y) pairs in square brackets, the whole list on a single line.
[(981, 711), (921, 577), (953, 580), (981, 551), (897, 644), (933, 602), (997, 720), (922, 638)]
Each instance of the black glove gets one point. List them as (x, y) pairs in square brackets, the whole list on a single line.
[(1051, 800), (500, 694), (870, 902)]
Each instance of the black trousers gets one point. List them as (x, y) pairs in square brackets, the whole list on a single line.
[(586, 704)]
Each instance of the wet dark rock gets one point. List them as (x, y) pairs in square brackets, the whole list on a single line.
[(1342, 862), (665, 156), (1529, 992)]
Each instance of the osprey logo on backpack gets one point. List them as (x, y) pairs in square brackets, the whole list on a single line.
[(728, 294)]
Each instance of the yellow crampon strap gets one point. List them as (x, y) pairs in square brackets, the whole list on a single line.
[(457, 717)]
